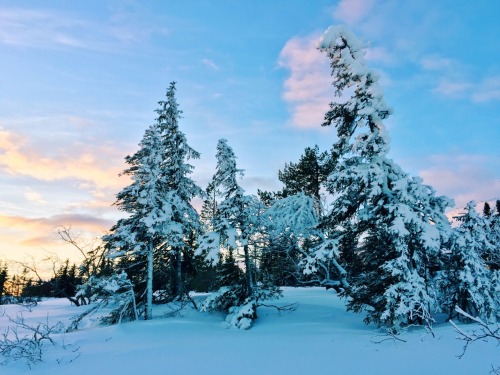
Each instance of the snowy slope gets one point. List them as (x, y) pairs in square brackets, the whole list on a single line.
[(318, 337)]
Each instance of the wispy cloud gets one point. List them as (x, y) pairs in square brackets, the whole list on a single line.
[(52, 29), (19, 156), (437, 63), (35, 235), (464, 177), (27, 27), (453, 89), (487, 90), (483, 91), (34, 197), (308, 89), (453, 82), (210, 64), (351, 11)]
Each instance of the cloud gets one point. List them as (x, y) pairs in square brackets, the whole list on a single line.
[(38, 237), (52, 29), (26, 27), (487, 90), (308, 89), (27, 235), (34, 197), (453, 89), (464, 177), (19, 156), (484, 91), (453, 83), (210, 64), (352, 11), (379, 54), (87, 222), (437, 63)]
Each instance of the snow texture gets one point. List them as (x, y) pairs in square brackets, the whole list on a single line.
[(318, 335)]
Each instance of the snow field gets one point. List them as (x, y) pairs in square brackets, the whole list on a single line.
[(319, 336)]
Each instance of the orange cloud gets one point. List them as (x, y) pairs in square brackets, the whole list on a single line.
[(22, 235), (99, 166)]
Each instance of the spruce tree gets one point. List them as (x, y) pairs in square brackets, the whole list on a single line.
[(292, 228), (158, 201), (3, 279), (308, 175), (492, 255), (398, 221), (235, 225), (467, 283)]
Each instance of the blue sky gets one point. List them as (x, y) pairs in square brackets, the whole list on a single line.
[(79, 83)]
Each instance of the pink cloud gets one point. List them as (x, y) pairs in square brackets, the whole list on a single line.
[(308, 89), (464, 177), (452, 89), (352, 11)]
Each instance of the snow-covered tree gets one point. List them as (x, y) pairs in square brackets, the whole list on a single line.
[(291, 226), (308, 175), (398, 221), (3, 279), (467, 283), (158, 201), (491, 255), (235, 226)]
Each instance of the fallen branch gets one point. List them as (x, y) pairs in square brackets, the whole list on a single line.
[(285, 308), (29, 346), (485, 332), (388, 336)]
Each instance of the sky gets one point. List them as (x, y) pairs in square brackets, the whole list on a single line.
[(79, 83)]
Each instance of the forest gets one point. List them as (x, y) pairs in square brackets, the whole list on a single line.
[(348, 219)]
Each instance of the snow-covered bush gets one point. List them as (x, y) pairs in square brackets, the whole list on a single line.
[(114, 292), (241, 310)]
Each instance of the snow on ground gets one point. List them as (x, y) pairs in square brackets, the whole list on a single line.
[(318, 337)]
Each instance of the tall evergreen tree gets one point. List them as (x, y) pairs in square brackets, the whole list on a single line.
[(399, 222), (291, 226), (235, 224), (492, 254), (231, 229), (3, 279), (161, 218), (308, 175), (467, 283), (487, 210)]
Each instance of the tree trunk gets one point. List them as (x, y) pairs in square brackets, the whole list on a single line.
[(179, 273), (248, 271), (148, 313)]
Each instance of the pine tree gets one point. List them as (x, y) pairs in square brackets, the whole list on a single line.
[(291, 226), (158, 201), (398, 221), (487, 210), (235, 225), (3, 279), (467, 283), (308, 175), (230, 229), (492, 255)]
